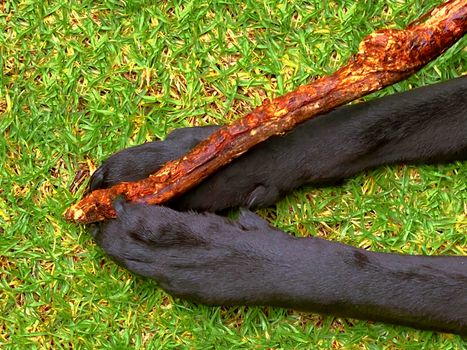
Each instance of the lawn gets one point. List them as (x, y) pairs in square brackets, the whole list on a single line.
[(83, 79)]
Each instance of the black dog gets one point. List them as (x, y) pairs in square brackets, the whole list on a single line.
[(216, 261)]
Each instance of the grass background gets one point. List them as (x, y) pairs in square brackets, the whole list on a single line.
[(83, 79)]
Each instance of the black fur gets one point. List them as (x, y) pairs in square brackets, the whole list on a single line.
[(210, 259), (423, 125)]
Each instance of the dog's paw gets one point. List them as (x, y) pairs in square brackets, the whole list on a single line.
[(200, 257), (139, 162)]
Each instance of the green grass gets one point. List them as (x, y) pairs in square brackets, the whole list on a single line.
[(83, 79)]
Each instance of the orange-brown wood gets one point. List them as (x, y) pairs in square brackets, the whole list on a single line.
[(384, 57)]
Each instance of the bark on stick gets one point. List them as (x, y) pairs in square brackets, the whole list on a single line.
[(384, 58)]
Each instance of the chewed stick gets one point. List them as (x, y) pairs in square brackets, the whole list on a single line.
[(384, 58)]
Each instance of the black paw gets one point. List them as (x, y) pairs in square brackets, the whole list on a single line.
[(139, 162), (200, 257)]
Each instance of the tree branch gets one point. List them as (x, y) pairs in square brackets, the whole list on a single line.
[(384, 57)]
